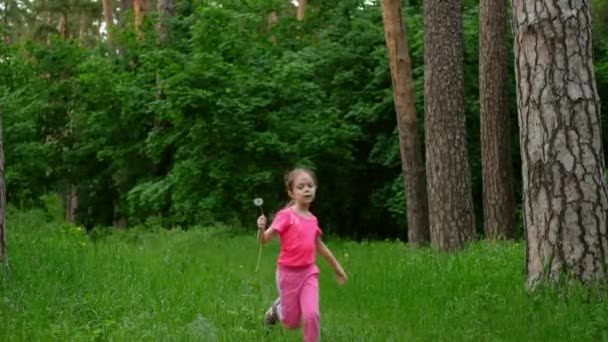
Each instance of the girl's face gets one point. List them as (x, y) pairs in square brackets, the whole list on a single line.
[(303, 189)]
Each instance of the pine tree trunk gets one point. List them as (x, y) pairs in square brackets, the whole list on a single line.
[(497, 170), (301, 9), (165, 10), (139, 10), (82, 28), (3, 228), (62, 27), (108, 17), (407, 124), (273, 19), (564, 188), (451, 215), (71, 205)]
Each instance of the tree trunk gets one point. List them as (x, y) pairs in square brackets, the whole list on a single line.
[(451, 215), (139, 7), (564, 189), (3, 228), (165, 10), (273, 19), (497, 171), (407, 124), (82, 28), (71, 205), (108, 17), (125, 5), (63, 26), (301, 9)]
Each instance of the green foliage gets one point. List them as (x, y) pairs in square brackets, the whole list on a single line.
[(157, 284), (189, 133)]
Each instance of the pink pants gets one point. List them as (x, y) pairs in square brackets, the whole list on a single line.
[(299, 292)]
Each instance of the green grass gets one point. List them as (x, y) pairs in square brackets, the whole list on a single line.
[(200, 285)]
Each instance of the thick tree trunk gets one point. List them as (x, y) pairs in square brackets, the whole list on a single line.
[(3, 228), (564, 189), (498, 194), (108, 17), (302, 9), (407, 124), (451, 214)]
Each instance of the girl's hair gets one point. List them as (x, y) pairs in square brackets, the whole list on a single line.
[(290, 177)]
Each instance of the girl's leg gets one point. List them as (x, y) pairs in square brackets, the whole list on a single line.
[(288, 308), (309, 302)]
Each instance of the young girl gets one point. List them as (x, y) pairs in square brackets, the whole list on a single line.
[(297, 274)]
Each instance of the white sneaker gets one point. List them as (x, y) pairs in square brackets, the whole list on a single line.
[(272, 314)]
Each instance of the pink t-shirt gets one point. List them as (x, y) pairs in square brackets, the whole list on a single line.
[(298, 235)]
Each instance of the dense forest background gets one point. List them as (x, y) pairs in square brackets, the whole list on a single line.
[(181, 113)]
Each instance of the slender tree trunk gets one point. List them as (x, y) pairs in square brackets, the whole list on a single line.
[(301, 9), (5, 32), (71, 205), (451, 215), (82, 28), (125, 5), (497, 170), (407, 124), (273, 19), (564, 187), (108, 17), (63, 26), (3, 228), (165, 11), (139, 10)]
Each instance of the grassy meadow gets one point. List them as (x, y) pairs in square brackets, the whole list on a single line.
[(200, 285)]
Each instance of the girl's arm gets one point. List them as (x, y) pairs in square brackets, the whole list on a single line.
[(331, 260), (266, 235)]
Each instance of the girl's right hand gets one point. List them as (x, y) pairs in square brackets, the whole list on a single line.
[(262, 221)]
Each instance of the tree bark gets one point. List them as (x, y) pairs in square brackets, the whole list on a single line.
[(62, 27), (165, 10), (451, 215), (3, 228), (108, 17), (564, 187), (139, 8), (407, 124), (301, 9), (497, 167)]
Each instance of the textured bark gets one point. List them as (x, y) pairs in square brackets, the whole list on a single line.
[(3, 228), (139, 8), (165, 11), (407, 124), (301, 9), (125, 5), (82, 28), (108, 17), (497, 168), (62, 27), (71, 206), (273, 19), (451, 215), (564, 189)]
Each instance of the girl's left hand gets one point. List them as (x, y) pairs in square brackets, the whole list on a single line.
[(341, 277)]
